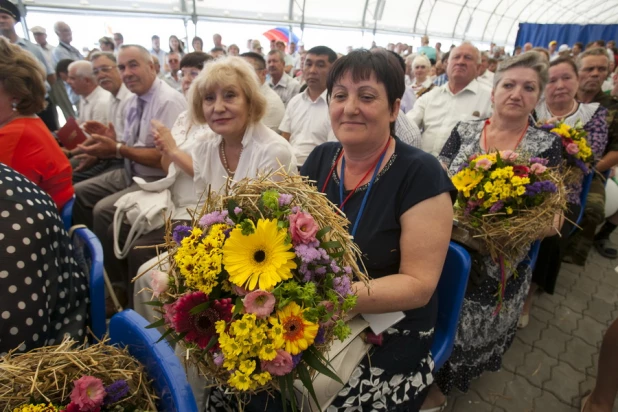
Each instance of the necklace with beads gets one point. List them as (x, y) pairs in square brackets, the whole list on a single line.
[(224, 158)]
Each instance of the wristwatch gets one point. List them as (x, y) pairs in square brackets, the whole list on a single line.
[(118, 146)]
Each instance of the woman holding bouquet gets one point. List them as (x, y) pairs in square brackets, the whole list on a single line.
[(560, 105), (399, 204), (484, 334)]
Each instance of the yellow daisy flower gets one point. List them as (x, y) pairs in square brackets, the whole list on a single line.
[(467, 180), (298, 333), (240, 381), (259, 260)]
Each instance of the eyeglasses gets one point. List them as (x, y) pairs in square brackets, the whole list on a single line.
[(192, 74), (104, 69)]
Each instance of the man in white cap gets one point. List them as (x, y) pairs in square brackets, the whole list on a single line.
[(40, 37)]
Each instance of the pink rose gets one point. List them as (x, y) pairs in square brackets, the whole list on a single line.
[(88, 393), (303, 228), (260, 303), (159, 282), (484, 164), (281, 365), (509, 155), (538, 168), (572, 148)]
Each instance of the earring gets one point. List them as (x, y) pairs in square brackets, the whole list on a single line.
[(14, 106)]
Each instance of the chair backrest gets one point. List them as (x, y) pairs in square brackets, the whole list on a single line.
[(128, 328), (583, 197), (451, 291), (67, 213), (533, 254), (94, 255)]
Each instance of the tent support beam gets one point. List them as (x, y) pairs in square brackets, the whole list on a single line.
[(493, 13), (516, 19), (430, 13), (420, 6), (365, 14), (458, 17)]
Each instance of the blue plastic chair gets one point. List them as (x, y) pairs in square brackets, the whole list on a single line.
[(67, 213), (93, 253), (583, 197), (451, 291), (533, 254), (128, 328)]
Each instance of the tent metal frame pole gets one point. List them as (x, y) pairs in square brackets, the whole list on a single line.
[(430, 14), (516, 19), (365, 15), (493, 13), (458, 17), (418, 13)]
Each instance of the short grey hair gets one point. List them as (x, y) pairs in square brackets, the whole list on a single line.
[(99, 54), (597, 51), (278, 53), (83, 68), (142, 51), (529, 60), (478, 52)]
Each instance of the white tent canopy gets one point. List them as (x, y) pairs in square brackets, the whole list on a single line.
[(481, 21)]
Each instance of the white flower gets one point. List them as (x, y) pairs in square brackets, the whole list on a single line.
[(159, 282)]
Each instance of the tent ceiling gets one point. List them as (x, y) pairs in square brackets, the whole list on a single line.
[(474, 20)]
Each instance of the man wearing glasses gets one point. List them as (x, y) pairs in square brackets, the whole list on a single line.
[(108, 77)]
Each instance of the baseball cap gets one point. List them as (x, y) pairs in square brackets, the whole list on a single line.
[(563, 47), (553, 43), (38, 30), (9, 8)]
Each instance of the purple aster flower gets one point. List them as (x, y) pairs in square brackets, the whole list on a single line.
[(237, 210), (295, 209), (181, 232), (296, 359), (496, 207), (115, 392), (307, 253), (333, 266), (342, 286), (539, 160), (215, 217), (320, 337), (347, 270), (284, 199), (321, 270), (306, 272), (218, 359)]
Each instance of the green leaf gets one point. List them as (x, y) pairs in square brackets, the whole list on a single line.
[(284, 392), (165, 334), (156, 324), (334, 244), (231, 205), (322, 232), (305, 378), (290, 387), (313, 358), (178, 338), (337, 254), (200, 308), (238, 306), (157, 303), (211, 343)]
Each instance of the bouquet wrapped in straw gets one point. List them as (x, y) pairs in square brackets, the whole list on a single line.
[(507, 201), (74, 378), (259, 285)]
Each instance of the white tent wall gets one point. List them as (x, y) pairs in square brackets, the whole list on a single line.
[(354, 21)]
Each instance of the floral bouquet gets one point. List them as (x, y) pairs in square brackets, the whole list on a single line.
[(259, 286), (575, 147), (73, 378), (507, 201)]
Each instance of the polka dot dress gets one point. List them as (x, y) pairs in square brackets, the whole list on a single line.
[(43, 292)]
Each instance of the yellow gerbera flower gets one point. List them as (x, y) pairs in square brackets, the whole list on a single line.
[(259, 260), (298, 333)]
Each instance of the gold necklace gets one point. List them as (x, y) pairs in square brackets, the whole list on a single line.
[(224, 158)]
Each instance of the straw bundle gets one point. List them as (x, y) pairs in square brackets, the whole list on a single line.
[(46, 374), (511, 237)]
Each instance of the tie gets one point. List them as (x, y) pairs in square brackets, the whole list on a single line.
[(137, 121)]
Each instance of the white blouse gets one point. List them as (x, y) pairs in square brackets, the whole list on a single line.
[(263, 151)]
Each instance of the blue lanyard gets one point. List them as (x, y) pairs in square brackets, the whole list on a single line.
[(364, 202)]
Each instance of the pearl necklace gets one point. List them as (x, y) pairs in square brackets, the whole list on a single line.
[(224, 158), (570, 113)]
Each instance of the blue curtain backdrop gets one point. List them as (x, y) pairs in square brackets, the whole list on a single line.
[(542, 34)]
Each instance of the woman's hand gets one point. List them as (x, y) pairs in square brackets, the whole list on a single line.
[(163, 139)]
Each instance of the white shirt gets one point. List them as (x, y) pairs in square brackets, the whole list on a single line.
[(118, 110), (274, 108), (437, 112), (176, 84), (287, 88), (48, 52), (308, 123), (487, 79), (95, 106), (263, 151)]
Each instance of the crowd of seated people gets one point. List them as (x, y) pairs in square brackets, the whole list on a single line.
[(198, 120)]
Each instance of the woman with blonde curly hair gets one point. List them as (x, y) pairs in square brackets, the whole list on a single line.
[(28, 146)]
